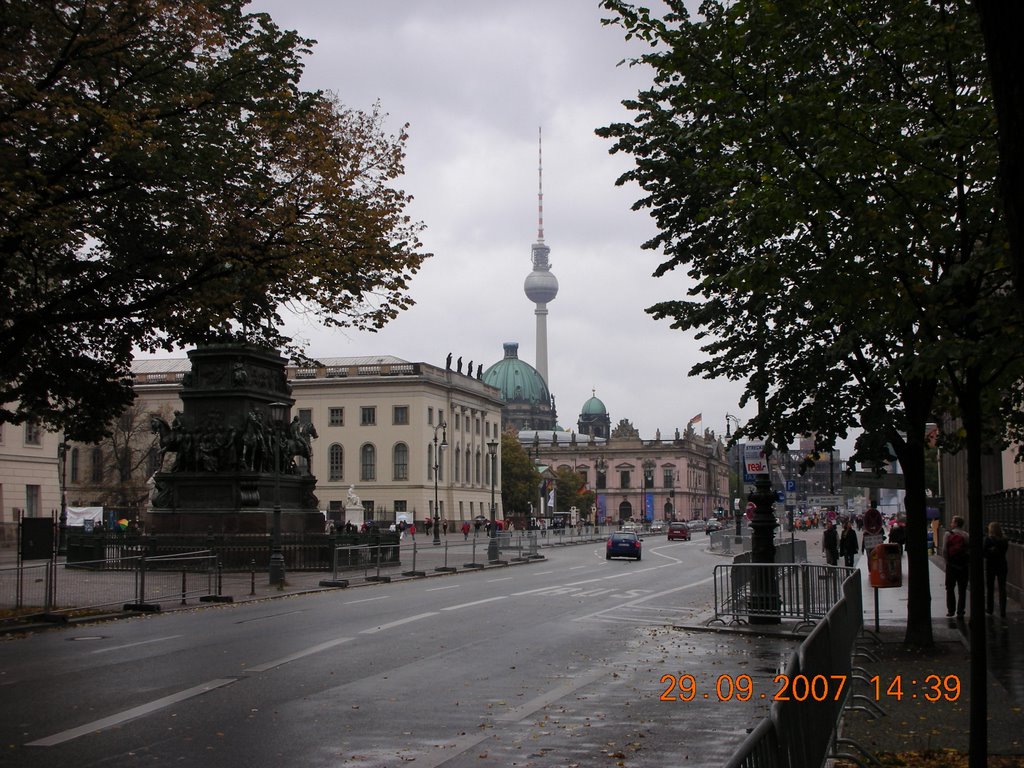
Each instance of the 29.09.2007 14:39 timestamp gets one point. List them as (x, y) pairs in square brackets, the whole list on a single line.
[(808, 688)]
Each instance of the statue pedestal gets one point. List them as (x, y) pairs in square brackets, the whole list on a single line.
[(355, 514)]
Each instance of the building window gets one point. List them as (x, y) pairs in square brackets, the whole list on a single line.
[(335, 463), (457, 418), (602, 479), (430, 415), (368, 463), (32, 500), (668, 477), (401, 506), (469, 466), (477, 425), (401, 461), (97, 465), (430, 461), (624, 478), (336, 417), (305, 415), (367, 416), (458, 461), (477, 468), (401, 414), (74, 465), (33, 435)]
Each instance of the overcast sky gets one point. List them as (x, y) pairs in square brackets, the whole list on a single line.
[(475, 81)]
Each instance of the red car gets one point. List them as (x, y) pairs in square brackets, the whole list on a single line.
[(678, 532)]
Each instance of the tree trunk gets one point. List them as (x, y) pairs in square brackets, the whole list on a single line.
[(918, 398), (970, 407)]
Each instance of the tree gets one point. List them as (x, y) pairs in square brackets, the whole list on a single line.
[(519, 476), (167, 183), (571, 491), (827, 177)]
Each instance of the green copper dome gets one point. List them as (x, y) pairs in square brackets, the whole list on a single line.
[(594, 407), (518, 381)]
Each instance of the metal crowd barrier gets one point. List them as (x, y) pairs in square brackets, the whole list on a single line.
[(137, 582), (799, 591), (803, 728)]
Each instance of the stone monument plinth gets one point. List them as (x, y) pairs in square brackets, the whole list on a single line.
[(233, 452)]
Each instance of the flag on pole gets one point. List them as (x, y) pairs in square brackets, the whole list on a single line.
[(694, 420)]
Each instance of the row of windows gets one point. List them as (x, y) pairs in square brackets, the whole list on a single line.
[(467, 465), (400, 416)]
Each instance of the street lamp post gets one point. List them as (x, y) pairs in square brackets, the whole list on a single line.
[(739, 472), (648, 469), (492, 544), (602, 482), (278, 414), (437, 464)]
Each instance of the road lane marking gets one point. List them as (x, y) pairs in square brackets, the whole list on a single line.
[(503, 578), (367, 600), (438, 589), (398, 623), (133, 645), (131, 714), (271, 616), (299, 654), (475, 602)]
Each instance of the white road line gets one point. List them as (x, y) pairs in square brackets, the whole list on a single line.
[(438, 589), (367, 600), (133, 645), (299, 654), (475, 602), (398, 623), (503, 578), (130, 714)]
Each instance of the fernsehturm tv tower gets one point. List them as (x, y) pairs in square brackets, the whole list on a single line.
[(541, 286)]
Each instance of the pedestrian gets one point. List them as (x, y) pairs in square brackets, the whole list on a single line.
[(898, 535), (994, 550), (427, 525), (444, 526), (848, 544), (465, 531), (955, 553), (830, 543)]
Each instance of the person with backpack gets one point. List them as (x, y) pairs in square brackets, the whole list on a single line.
[(955, 552)]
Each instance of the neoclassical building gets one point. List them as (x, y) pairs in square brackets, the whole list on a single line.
[(684, 478)]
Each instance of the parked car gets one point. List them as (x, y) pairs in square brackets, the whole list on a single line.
[(623, 544), (696, 525), (714, 524), (678, 532)]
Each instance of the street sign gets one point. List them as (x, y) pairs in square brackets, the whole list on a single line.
[(871, 480), (791, 486), (754, 460), (824, 501)]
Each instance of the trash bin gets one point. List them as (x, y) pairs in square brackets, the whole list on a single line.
[(885, 566)]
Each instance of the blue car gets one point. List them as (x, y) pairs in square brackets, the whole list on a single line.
[(623, 544)]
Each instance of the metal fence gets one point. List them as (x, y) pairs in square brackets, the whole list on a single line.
[(138, 582), (1007, 508), (802, 729), (797, 591)]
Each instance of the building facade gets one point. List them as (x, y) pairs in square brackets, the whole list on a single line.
[(641, 480), (30, 460)]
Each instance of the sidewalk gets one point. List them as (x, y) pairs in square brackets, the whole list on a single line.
[(913, 723)]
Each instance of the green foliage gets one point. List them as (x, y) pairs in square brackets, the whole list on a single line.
[(571, 491), (165, 182), (519, 476)]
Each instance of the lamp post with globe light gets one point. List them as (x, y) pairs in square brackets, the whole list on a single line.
[(492, 544), (443, 426)]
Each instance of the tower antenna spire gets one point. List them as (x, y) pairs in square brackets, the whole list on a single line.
[(540, 187)]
